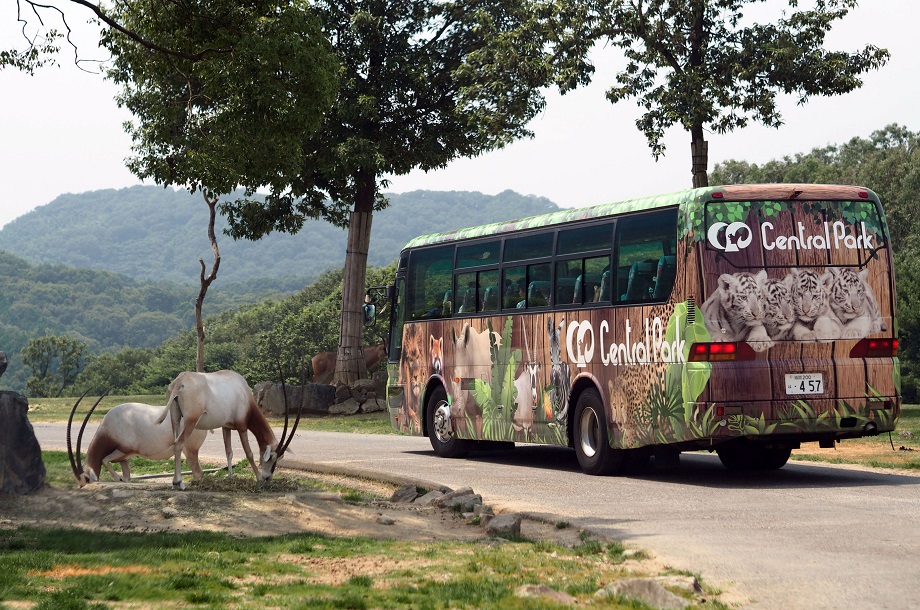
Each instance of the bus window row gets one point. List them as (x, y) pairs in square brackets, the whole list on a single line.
[(639, 266)]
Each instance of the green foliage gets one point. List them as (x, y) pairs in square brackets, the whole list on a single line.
[(253, 79), (56, 361), (695, 65)]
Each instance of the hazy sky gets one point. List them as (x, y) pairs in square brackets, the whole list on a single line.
[(61, 131)]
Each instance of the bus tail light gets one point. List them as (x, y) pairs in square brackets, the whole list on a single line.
[(875, 348), (720, 352)]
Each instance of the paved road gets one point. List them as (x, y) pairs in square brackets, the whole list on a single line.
[(807, 536)]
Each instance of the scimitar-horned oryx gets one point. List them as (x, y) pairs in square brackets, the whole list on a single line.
[(126, 431), (206, 401)]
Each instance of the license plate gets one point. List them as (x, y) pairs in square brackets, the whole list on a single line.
[(804, 383)]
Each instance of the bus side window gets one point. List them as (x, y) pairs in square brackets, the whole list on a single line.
[(646, 265)]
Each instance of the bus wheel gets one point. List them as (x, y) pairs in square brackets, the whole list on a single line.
[(592, 445), (442, 438), (745, 455)]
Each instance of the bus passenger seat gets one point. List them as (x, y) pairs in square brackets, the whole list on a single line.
[(664, 281), (468, 305), (537, 293), (640, 281), (604, 294), (447, 305), (490, 299)]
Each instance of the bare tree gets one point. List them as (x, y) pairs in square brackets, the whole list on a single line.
[(206, 282)]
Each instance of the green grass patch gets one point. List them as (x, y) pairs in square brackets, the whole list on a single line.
[(67, 568)]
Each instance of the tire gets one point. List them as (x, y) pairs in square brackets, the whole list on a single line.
[(592, 443), (445, 444), (745, 456)]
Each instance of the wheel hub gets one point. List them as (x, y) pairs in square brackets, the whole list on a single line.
[(442, 423)]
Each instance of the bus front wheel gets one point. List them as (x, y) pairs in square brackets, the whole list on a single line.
[(592, 443), (746, 455), (443, 440)]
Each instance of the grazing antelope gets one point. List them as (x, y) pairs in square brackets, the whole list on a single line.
[(206, 401), (126, 431)]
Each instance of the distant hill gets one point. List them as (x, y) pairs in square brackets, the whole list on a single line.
[(103, 309), (153, 234)]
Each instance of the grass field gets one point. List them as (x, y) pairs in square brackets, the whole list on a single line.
[(81, 569), (901, 450)]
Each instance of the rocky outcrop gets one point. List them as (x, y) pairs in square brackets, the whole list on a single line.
[(21, 468), (365, 396)]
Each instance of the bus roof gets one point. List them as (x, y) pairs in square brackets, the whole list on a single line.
[(742, 192)]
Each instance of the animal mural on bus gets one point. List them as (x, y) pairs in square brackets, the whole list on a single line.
[(527, 385), (472, 361), (560, 375), (804, 305), (410, 374)]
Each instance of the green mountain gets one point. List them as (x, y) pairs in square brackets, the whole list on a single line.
[(120, 268), (151, 233)]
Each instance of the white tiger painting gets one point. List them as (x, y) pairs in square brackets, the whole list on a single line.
[(804, 305), (734, 312)]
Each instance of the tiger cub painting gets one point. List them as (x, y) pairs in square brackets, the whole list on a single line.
[(805, 305), (778, 312), (853, 303), (734, 312)]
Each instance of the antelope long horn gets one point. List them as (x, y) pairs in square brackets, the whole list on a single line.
[(83, 428), (286, 419), (286, 441), (73, 411)]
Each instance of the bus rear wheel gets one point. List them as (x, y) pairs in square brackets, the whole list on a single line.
[(745, 455), (437, 415), (592, 443)]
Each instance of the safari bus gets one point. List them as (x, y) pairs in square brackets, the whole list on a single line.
[(743, 320)]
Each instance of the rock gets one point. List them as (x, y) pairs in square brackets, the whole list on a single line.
[(374, 406), (465, 503), (428, 498), (121, 494), (504, 526), (544, 592), (22, 470), (646, 590), (349, 407), (384, 520), (905, 434), (406, 493), (3, 363), (442, 501), (687, 583), (169, 512)]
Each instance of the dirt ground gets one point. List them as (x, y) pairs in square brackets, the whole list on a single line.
[(153, 506)]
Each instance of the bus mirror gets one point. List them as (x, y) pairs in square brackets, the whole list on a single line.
[(370, 314)]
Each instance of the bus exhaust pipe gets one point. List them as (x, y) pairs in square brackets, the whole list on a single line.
[(870, 429)]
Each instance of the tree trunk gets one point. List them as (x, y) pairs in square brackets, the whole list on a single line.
[(699, 149), (350, 365), (205, 283)]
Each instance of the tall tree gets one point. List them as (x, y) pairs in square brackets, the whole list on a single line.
[(217, 120), (55, 361), (702, 65), (421, 83)]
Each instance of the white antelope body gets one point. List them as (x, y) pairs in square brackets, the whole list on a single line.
[(129, 430), (205, 401)]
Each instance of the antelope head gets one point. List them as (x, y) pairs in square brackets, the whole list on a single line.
[(84, 474)]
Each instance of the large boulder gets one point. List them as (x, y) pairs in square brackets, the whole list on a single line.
[(21, 468)]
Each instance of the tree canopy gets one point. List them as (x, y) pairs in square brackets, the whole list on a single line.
[(702, 65), (421, 83)]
